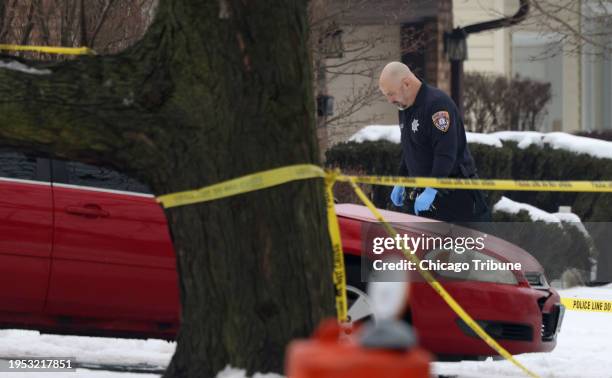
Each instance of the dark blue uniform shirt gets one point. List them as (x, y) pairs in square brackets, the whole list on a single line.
[(433, 137)]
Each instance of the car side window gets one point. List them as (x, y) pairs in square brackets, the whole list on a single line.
[(101, 177), (17, 165)]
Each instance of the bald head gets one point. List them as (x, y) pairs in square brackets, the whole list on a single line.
[(394, 71), (398, 84)]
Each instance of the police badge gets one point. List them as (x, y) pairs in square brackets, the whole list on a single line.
[(441, 120)]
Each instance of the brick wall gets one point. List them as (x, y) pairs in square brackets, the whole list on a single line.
[(437, 66)]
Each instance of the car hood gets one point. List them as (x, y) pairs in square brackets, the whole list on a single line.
[(494, 246)]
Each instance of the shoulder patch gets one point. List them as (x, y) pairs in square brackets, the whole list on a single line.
[(441, 120)]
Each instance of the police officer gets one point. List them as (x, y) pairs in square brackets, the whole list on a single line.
[(433, 145)]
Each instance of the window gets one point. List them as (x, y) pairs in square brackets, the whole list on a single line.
[(100, 177), (330, 42), (17, 165)]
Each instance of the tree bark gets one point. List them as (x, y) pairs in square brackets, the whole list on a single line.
[(3, 18), (210, 93), (83, 24)]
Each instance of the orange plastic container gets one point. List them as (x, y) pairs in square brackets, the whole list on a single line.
[(324, 356)]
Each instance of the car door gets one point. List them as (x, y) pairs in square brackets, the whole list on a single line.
[(113, 255), (26, 231)]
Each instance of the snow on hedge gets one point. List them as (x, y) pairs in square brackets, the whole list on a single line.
[(557, 140), (391, 133), (507, 205), (375, 133), (480, 138), (17, 66)]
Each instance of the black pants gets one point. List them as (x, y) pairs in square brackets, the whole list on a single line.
[(456, 206)]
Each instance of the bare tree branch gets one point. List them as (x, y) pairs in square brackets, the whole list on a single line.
[(101, 21)]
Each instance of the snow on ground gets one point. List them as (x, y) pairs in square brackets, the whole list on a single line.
[(95, 351), (79, 373), (583, 348), (90, 350), (557, 140), (230, 372), (582, 351)]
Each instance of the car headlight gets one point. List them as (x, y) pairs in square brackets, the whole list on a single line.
[(470, 263), (537, 280)]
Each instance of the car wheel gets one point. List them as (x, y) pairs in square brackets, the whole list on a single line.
[(359, 306)]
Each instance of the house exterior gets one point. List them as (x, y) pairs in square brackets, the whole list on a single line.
[(408, 30), (581, 79)]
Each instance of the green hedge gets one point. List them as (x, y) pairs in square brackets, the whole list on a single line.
[(382, 158), (373, 158), (545, 163), (557, 248), (509, 161)]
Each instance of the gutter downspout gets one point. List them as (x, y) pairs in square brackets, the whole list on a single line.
[(455, 46)]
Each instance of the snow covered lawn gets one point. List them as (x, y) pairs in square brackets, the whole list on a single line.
[(583, 348), (583, 351)]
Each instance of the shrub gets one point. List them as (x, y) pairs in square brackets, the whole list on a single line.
[(383, 158), (556, 249), (509, 161), (494, 102)]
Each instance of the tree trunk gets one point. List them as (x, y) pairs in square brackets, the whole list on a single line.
[(3, 18), (83, 23), (215, 90)]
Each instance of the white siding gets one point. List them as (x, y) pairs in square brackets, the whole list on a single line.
[(346, 86), (527, 61), (487, 51)]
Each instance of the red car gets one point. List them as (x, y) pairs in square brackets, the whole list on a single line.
[(83, 247), (517, 308)]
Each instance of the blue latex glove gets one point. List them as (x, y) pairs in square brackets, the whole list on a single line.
[(397, 195), (424, 200)]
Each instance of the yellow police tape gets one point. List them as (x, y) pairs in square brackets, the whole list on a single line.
[(450, 301), (248, 183), (50, 49), (268, 179), (591, 305), (282, 175), (339, 276), (452, 183), (273, 177)]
